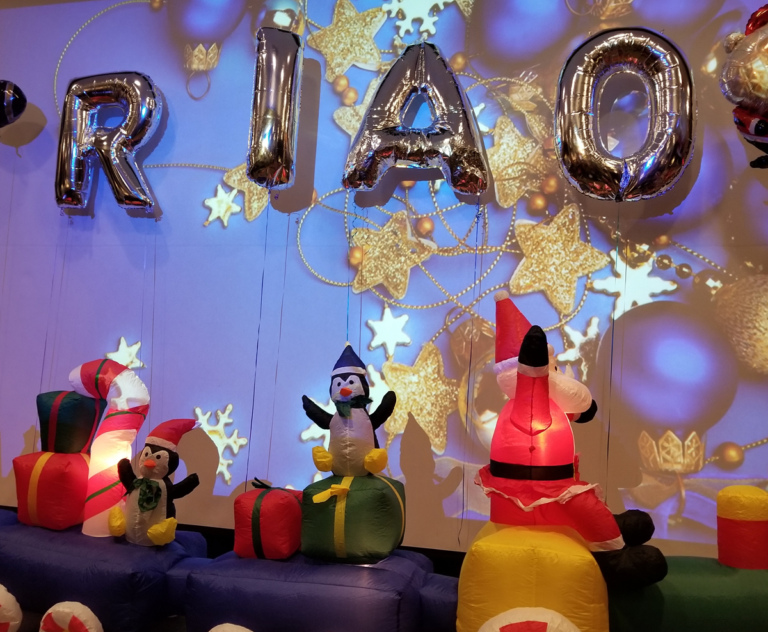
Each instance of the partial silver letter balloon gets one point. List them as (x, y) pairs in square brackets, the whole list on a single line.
[(81, 141), (452, 142), (13, 102), (275, 110), (668, 146)]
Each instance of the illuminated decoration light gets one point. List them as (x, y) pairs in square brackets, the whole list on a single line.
[(218, 434), (126, 354)]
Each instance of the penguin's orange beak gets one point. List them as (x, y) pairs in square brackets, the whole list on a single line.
[(345, 392), (150, 463)]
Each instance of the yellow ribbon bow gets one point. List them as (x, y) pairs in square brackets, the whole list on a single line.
[(334, 490)]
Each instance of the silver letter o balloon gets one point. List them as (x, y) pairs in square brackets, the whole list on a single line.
[(668, 146)]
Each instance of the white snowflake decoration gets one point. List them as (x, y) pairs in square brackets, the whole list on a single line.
[(218, 435), (127, 355), (411, 10)]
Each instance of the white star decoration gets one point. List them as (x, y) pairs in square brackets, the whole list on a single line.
[(632, 286), (582, 347), (388, 332), (218, 435), (221, 206), (126, 354)]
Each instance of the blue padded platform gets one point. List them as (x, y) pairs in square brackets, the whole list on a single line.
[(302, 594), (125, 585), (439, 601), (7, 517)]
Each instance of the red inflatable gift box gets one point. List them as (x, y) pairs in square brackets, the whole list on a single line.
[(268, 523), (51, 488)]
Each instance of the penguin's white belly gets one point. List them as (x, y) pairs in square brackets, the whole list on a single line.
[(137, 522), (351, 439)]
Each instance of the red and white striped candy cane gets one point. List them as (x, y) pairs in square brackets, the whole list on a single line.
[(127, 407)]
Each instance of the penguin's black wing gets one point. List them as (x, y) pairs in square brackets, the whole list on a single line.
[(383, 412), (182, 488), (316, 414), (587, 415), (126, 474)]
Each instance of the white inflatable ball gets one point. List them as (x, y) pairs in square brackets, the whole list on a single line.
[(229, 627), (547, 620), (10, 612), (70, 616)]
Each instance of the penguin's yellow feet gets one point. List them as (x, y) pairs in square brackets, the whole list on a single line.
[(116, 521), (163, 532), (375, 460), (322, 459)]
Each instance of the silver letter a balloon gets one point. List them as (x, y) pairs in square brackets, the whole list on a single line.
[(668, 146), (275, 110), (452, 142), (81, 140)]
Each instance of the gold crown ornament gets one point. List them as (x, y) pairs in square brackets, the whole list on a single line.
[(671, 454)]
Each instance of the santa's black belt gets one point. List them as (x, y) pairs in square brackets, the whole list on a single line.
[(531, 472)]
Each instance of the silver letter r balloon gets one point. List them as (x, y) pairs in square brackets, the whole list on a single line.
[(668, 146), (275, 109), (451, 143), (82, 140)]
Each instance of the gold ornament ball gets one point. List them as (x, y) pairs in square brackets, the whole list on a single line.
[(730, 455), (537, 203), (349, 96), (355, 256), (155, 5), (741, 308), (408, 184), (425, 226), (458, 62), (340, 84), (663, 262), (550, 185), (661, 241), (683, 270)]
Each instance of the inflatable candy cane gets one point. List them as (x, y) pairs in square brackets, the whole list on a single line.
[(127, 407)]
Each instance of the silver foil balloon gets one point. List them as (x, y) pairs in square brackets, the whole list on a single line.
[(668, 145), (744, 78), (451, 143), (82, 140), (12, 104), (275, 109)]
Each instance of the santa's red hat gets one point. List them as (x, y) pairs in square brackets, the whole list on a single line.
[(168, 434), (511, 327)]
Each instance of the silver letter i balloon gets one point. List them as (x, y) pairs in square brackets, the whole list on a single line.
[(275, 110), (668, 146), (81, 140)]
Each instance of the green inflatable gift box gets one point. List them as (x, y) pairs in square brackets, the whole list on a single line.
[(355, 519)]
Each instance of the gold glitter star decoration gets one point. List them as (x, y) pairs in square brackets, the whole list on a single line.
[(218, 434), (631, 286), (582, 348), (424, 391), (349, 39), (350, 117), (221, 206), (388, 255), (255, 198), (126, 354), (554, 258), (388, 332), (516, 163)]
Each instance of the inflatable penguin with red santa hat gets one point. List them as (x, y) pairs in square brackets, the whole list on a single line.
[(533, 476), (150, 515)]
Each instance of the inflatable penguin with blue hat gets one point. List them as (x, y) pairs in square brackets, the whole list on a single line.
[(150, 515), (353, 449)]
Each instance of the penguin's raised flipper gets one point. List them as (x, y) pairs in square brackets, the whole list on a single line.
[(163, 532), (383, 412), (126, 474), (319, 416), (322, 459), (116, 521), (182, 488), (375, 460)]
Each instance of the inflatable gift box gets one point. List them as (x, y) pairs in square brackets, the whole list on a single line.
[(68, 420), (268, 523), (356, 519), (51, 488)]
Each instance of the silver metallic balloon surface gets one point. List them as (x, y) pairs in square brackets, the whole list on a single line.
[(451, 143), (82, 141), (12, 102), (668, 146), (275, 109), (744, 78)]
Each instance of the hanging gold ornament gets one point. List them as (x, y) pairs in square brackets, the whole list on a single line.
[(425, 226), (741, 308)]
